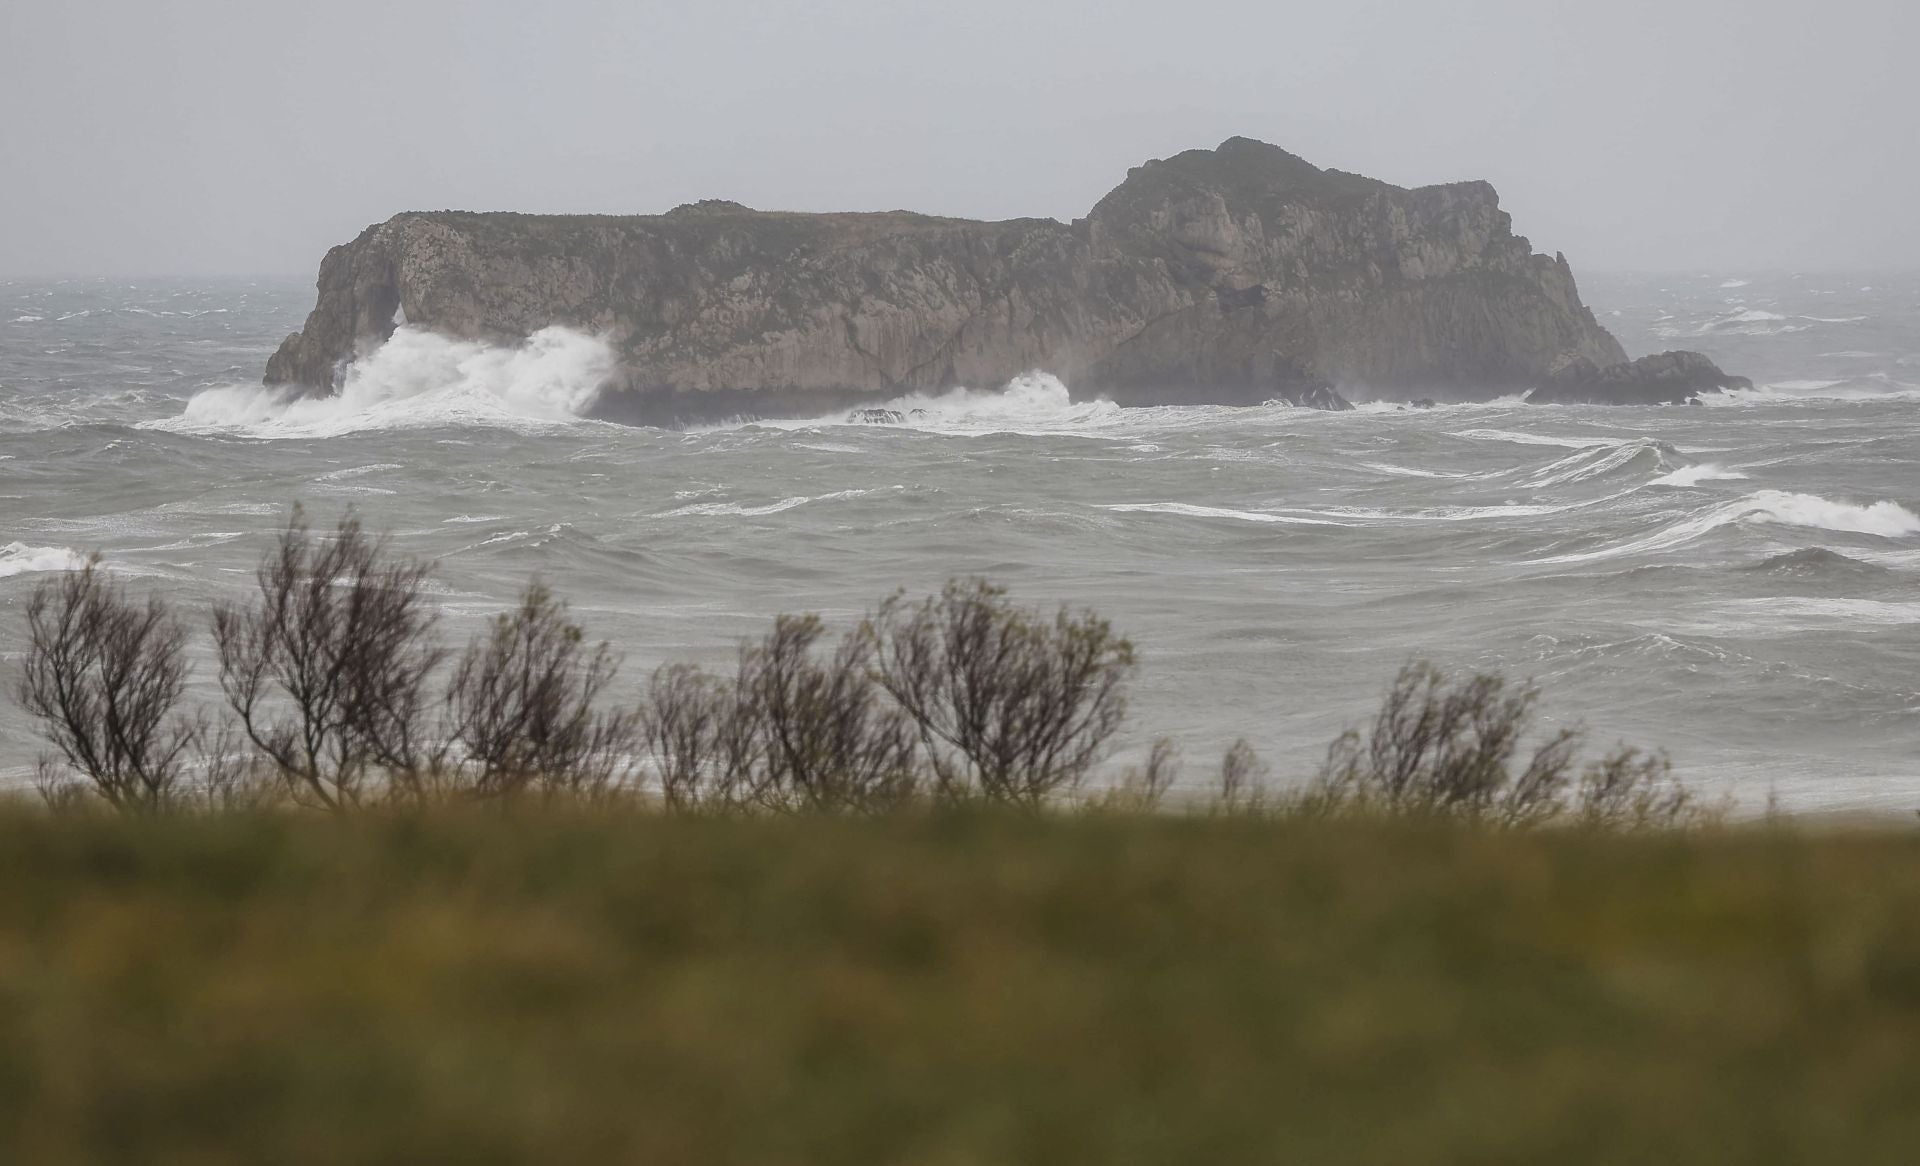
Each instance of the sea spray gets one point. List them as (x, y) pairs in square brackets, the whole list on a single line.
[(419, 378)]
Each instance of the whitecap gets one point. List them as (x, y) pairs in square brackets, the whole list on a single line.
[(1594, 461), (1406, 471), (1508, 509), (1694, 475), (1035, 404), (1882, 519), (1538, 438), (745, 511), (17, 558), (358, 471), (1189, 510)]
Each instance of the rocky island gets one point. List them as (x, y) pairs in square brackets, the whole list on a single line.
[(1236, 275)]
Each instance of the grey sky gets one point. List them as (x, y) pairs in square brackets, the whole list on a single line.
[(192, 136)]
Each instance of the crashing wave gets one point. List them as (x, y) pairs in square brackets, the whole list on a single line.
[(418, 379), (17, 558)]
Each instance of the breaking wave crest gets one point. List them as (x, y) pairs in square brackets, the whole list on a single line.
[(18, 558), (1035, 403), (418, 379), (1882, 519), (1603, 461), (1696, 474)]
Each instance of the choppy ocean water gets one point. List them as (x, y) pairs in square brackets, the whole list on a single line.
[(1736, 583)]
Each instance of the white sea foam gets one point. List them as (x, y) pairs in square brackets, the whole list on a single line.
[(1406, 471), (1508, 509), (1779, 614), (743, 510), (1874, 387), (28, 319), (1733, 283), (1538, 438), (718, 508), (1746, 322), (1033, 404), (18, 558), (1192, 511), (1593, 462), (357, 471), (1882, 519), (417, 379), (1694, 475)]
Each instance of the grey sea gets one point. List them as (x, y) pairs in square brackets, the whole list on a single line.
[(1735, 583)]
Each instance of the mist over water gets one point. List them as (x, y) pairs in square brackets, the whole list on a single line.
[(1734, 582)]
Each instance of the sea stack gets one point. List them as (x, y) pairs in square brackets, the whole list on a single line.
[(1236, 275)]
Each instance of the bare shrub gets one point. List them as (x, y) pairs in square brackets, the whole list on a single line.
[(1144, 787), (1633, 788), (327, 672), (522, 708), (235, 777), (826, 737), (702, 745), (1008, 704), (1449, 748), (1242, 776), (104, 673)]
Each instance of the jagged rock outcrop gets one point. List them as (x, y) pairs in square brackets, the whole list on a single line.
[(1668, 378), (1236, 275)]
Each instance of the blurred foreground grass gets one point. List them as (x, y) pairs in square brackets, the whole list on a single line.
[(956, 988)]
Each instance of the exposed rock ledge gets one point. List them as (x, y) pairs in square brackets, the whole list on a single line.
[(1669, 378), (1236, 275)]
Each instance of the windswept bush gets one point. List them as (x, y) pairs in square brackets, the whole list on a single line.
[(829, 739), (1242, 778), (1008, 704), (341, 697), (523, 713), (328, 670), (704, 745), (1449, 748), (105, 674)]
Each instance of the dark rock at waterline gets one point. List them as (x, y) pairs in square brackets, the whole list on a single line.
[(1668, 378), (877, 417), (1423, 403), (1312, 397), (1214, 276)]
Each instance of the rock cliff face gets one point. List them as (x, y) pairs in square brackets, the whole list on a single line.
[(1239, 274)]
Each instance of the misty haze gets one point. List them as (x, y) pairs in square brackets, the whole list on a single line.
[(840, 581)]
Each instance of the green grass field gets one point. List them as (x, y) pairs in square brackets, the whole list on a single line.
[(955, 988)]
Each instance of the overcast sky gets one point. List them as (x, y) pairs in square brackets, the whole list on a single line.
[(189, 136)]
